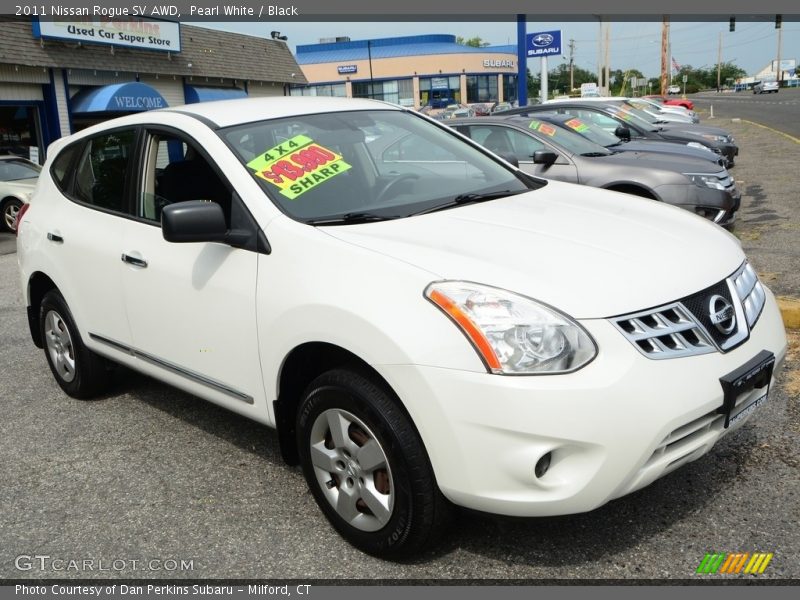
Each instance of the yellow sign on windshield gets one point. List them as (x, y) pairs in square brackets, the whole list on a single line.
[(297, 166)]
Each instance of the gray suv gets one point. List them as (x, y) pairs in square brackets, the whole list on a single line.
[(549, 151)]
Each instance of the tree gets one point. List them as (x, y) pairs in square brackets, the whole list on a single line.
[(475, 42)]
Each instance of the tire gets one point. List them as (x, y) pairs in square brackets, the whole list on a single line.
[(366, 466), (9, 209), (80, 372)]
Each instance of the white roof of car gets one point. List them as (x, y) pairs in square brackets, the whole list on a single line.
[(247, 110)]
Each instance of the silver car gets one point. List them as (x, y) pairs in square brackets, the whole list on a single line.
[(765, 87), (549, 151)]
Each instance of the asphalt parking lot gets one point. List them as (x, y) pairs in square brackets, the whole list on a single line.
[(149, 473)]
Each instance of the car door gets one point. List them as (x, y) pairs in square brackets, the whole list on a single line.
[(85, 231), (191, 306), (501, 139)]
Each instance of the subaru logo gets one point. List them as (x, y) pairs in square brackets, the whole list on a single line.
[(543, 39), (721, 314)]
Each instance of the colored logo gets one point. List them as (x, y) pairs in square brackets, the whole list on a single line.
[(735, 563), (543, 39)]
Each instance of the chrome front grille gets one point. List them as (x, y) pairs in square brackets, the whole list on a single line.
[(694, 325), (665, 332)]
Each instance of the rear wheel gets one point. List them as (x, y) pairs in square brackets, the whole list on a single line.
[(367, 467), (9, 208), (80, 372)]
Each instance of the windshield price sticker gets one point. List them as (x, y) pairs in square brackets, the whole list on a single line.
[(542, 128), (577, 125), (297, 166)]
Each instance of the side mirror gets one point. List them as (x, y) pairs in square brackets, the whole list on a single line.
[(193, 221), (509, 157), (544, 157), (623, 133)]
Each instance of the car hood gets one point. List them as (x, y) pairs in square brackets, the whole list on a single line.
[(26, 184), (692, 129), (590, 253), (667, 162), (666, 148)]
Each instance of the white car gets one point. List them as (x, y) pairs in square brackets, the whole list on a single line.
[(424, 324), (17, 181), (766, 87)]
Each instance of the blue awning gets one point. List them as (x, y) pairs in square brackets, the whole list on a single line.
[(208, 94), (118, 98)]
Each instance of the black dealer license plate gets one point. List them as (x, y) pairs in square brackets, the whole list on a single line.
[(755, 374)]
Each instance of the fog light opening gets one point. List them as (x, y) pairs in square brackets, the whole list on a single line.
[(542, 465)]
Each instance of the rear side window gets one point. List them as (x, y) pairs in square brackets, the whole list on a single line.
[(100, 177), (60, 170)]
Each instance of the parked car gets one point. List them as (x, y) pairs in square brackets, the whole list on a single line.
[(674, 89), (766, 87), (17, 180), (547, 150), (620, 140), (641, 126), (685, 102), (423, 323), (656, 114)]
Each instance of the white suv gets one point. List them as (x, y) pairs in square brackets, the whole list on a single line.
[(421, 322)]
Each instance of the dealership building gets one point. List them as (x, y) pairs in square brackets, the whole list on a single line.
[(410, 71), (59, 77)]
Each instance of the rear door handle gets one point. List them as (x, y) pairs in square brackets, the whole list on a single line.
[(136, 262), (54, 237)]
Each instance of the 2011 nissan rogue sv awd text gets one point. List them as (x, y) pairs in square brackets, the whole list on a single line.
[(423, 324)]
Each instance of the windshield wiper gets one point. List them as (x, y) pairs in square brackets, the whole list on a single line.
[(352, 218), (592, 154), (470, 199)]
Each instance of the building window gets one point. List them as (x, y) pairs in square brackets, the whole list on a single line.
[(482, 88), (396, 91), (510, 88), (440, 89), (332, 89)]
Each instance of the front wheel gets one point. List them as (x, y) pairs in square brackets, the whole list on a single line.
[(9, 208), (80, 372), (367, 467)]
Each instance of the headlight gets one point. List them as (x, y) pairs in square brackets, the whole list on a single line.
[(513, 334), (714, 138), (706, 180), (751, 293), (699, 146)]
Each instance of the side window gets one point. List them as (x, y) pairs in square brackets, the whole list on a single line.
[(60, 170), (100, 177), (175, 171), (503, 140)]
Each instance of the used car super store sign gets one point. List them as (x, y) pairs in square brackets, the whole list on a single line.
[(131, 33)]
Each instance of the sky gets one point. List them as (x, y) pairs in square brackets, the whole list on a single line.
[(633, 45)]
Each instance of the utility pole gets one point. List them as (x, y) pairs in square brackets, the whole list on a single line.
[(607, 61), (571, 64), (600, 56), (666, 66), (719, 60), (778, 20)]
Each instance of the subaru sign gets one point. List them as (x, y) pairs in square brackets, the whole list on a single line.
[(543, 43)]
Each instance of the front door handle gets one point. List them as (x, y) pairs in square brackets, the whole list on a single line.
[(54, 237), (132, 260)]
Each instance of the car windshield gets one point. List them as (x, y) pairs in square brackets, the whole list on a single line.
[(365, 165), (14, 169), (574, 143), (631, 115), (591, 131), (644, 116)]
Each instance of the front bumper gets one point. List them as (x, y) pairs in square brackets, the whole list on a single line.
[(719, 206), (611, 428)]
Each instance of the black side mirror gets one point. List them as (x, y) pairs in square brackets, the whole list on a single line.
[(623, 133), (193, 221), (544, 157), (509, 157)]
